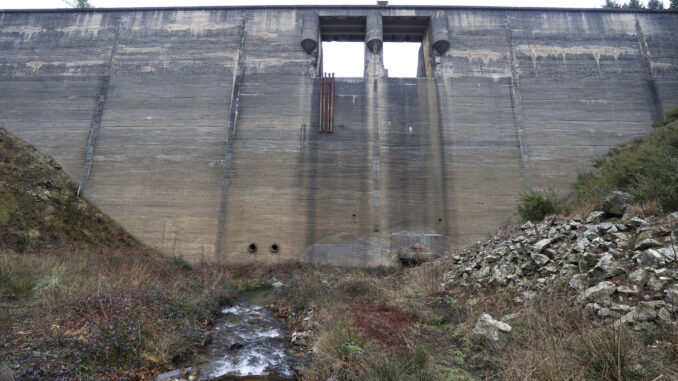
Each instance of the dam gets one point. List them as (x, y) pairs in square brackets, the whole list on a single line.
[(212, 134)]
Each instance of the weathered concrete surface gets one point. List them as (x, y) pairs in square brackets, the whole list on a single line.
[(520, 98)]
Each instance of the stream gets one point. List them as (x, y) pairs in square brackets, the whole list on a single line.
[(249, 343)]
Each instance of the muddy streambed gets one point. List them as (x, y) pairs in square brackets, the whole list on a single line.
[(249, 343)]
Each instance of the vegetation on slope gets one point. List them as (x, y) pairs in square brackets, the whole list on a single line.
[(38, 206)]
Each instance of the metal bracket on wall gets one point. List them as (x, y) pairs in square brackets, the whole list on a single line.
[(326, 116)]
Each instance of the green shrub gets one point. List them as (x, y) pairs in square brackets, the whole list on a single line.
[(535, 205)]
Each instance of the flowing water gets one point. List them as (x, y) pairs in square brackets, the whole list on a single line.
[(249, 343)]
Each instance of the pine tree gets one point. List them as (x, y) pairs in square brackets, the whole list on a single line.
[(78, 3), (612, 4), (674, 4), (633, 4), (655, 4)]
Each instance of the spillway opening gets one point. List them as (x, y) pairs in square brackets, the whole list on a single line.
[(274, 248), (343, 58), (401, 59), (252, 248)]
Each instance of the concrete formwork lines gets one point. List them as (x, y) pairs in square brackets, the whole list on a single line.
[(238, 75), (526, 99), (433, 93), (658, 110), (99, 112), (516, 104), (371, 90)]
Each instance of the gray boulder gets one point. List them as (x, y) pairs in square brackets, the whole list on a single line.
[(490, 331), (540, 259), (649, 257), (606, 268), (579, 282), (594, 217), (616, 203), (635, 222), (668, 253), (672, 295), (638, 277), (644, 311), (599, 293), (302, 338), (647, 244), (541, 245)]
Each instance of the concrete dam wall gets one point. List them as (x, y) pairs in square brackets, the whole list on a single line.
[(197, 129)]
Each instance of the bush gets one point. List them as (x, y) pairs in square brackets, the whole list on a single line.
[(535, 205)]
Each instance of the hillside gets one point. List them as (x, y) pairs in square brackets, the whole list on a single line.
[(39, 209)]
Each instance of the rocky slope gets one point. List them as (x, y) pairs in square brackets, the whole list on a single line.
[(622, 268)]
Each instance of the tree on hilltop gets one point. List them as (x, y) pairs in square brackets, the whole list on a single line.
[(655, 5), (78, 3), (612, 4), (633, 4)]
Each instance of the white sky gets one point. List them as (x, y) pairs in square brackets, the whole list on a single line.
[(9, 4), (346, 59)]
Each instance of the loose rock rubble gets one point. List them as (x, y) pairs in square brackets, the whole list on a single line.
[(621, 268)]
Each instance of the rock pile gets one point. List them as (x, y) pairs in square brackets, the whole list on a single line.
[(621, 268)]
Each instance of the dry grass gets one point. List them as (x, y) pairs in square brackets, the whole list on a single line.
[(552, 339), (426, 279), (106, 309), (646, 209)]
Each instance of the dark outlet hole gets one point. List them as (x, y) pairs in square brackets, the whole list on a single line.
[(440, 220), (252, 248), (275, 248)]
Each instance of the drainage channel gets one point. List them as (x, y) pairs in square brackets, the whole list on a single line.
[(248, 343)]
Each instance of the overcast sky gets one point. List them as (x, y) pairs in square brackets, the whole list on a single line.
[(8, 4), (344, 59)]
